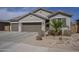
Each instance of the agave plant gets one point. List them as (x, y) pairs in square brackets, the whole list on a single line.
[(56, 25)]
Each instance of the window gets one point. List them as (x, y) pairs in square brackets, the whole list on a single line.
[(63, 20)]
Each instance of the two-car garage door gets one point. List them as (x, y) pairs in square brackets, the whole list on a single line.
[(27, 27), (31, 27)]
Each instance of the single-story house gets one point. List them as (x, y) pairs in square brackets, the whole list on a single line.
[(38, 20)]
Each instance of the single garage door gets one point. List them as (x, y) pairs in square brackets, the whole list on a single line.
[(31, 27), (14, 26)]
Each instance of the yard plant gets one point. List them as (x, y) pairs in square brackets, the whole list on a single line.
[(56, 26)]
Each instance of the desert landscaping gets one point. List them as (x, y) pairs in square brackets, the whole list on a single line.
[(26, 42), (67, 42)]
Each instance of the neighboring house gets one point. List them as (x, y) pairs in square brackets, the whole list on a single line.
[(38, 20), (4, 25)]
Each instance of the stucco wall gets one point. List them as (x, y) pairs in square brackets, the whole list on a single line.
[(43, 13), (31, 18)]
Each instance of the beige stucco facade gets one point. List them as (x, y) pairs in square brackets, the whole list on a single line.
[(41, 16), (43, 13)]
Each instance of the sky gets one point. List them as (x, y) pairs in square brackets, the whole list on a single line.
[(7, 13)]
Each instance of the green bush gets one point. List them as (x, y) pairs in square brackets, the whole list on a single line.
[(67, 33)]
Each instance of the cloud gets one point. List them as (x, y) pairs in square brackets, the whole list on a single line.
[(11, 12)]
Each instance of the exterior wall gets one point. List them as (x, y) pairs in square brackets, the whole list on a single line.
[(7, 28), (31, 18), (68, 20), (43, 13)]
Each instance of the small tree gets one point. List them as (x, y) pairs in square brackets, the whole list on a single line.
[(56, 25)]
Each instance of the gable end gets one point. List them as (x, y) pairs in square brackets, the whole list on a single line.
[(65, 14)]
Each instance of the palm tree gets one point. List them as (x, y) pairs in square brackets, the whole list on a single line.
[(56, 25)]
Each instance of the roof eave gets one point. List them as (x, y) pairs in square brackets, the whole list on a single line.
[(16, 20), (60, 13)]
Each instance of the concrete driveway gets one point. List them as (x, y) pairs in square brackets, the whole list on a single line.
[(14, 42)]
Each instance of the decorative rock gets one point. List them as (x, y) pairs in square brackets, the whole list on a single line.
[(38, 38), (60, 38)]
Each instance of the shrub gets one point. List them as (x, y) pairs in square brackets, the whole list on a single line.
[(56, 26), (51, 32), (67, 33), (38, 37)]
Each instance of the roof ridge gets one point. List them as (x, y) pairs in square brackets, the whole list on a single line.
[(41, 8)]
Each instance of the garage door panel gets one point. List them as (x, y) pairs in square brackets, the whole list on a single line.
[(31, 27), (14, 26)]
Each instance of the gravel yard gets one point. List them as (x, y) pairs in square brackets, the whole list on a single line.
[(26, 42)]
